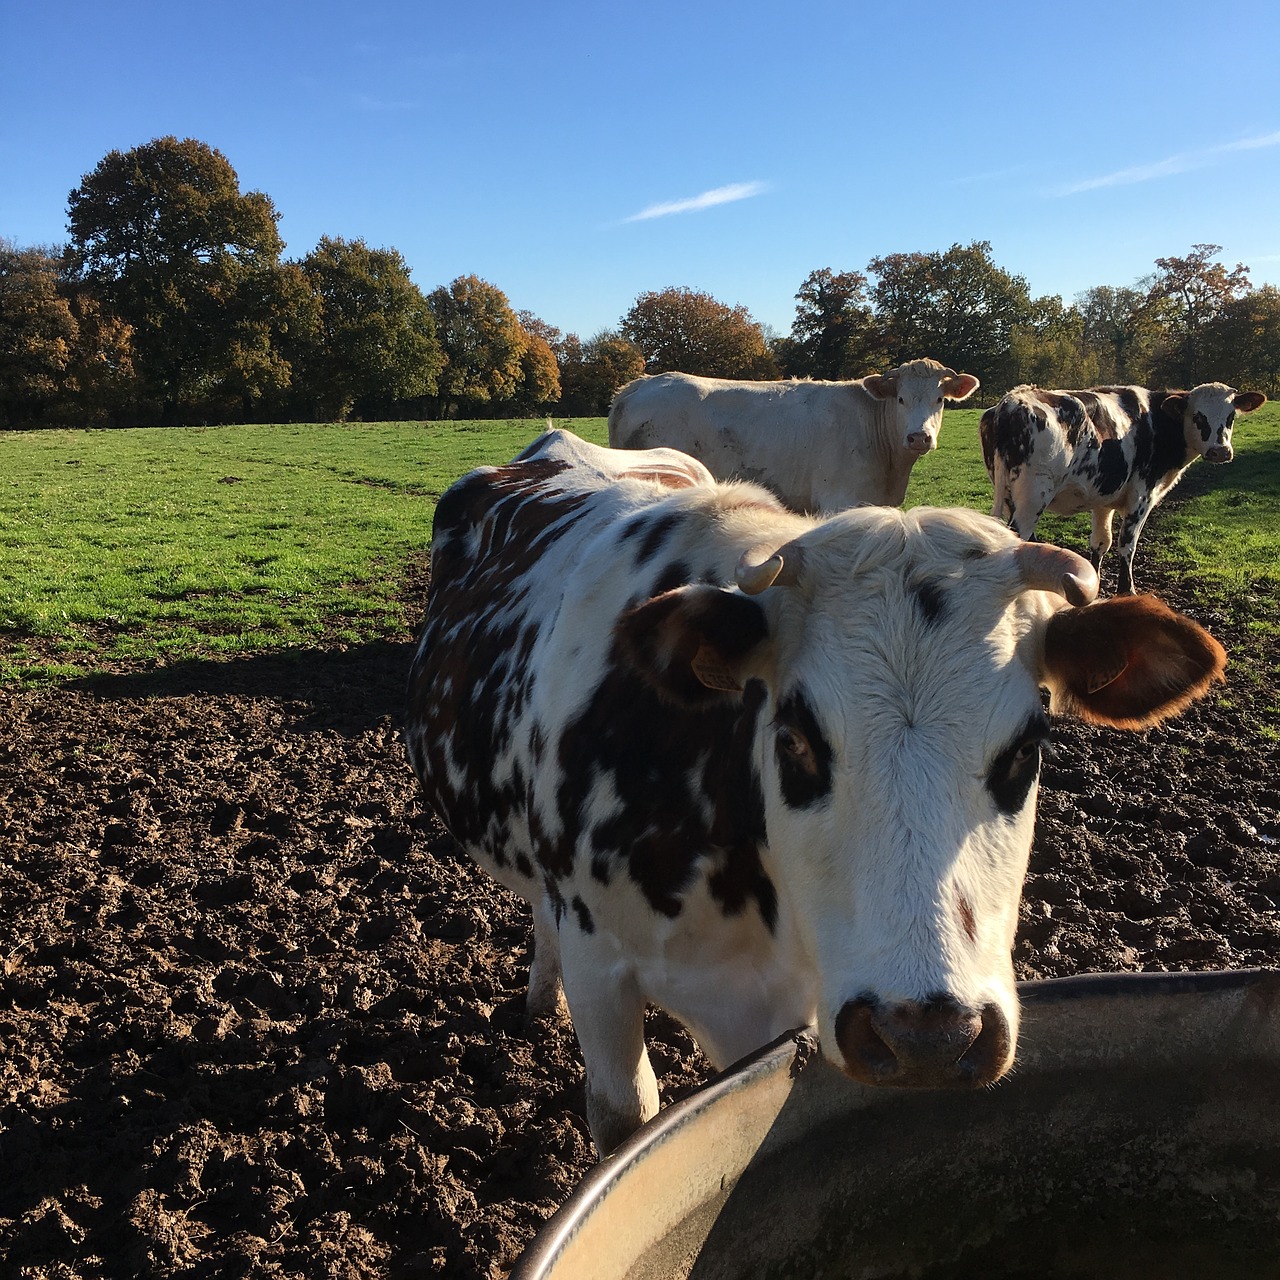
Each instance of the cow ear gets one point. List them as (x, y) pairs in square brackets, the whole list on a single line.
[(1248, 401), (693, 644), (960, 386), (1129, 662), (883, 386), (1174, 405)]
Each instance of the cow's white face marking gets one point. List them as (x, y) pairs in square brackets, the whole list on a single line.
[(901, 760), (921, 390)]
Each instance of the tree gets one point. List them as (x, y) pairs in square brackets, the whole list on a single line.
[(957, 307), (1121, 331), (1190, 294), (835, 333), (685, 330), (482, 341), (1242, 345), (101, 381), (539, 366), (592, 372), (373, 341), (38, 333), (1048, 349), (167, 240)]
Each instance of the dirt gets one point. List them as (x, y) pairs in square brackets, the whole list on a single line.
[(259, 1017)]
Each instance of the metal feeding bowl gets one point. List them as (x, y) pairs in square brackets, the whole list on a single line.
[(1138, 1137)]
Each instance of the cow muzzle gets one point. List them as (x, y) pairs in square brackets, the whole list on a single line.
[(1219, 453), (920, 442), (934, 1044)]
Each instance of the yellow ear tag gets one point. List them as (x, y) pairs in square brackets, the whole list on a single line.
[(711, 671), (1109, 675)]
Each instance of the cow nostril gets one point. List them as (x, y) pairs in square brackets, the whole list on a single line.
[(867, 1057)]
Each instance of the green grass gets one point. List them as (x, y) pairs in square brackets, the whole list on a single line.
[(161, 544), (158, 545)]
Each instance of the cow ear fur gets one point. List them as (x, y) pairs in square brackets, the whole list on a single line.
[(693, 644), (883, 386), (1174, 405), (1129, 662), (1248, 401), (960, 387)]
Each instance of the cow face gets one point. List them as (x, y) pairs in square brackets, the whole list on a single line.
[(921, 389), (903, 654), (1208, 413)]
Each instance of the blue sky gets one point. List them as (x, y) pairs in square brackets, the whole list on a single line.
[(576, 155)]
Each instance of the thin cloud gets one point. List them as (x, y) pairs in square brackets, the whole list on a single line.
[(707, 200), (1172, 164)]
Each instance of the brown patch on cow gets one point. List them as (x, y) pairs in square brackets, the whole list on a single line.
[(967, 921), (667, 477)]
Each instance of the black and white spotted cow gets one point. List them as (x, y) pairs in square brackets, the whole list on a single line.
[(759, 768), (1104, 450)]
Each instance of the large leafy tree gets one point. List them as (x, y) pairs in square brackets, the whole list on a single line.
[(373, 340), (1242, 344), (38, 333), (683, 329), (483, 343), (1120, 329), (1190, 294), (958, 307), (591, 372), (167, 239), (835, 333)]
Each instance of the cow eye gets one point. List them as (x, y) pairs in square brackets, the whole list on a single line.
[(939, 399), (1015, 769), (793, 744), (901, 400)]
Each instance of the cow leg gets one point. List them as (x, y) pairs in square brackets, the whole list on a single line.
[(1127, 543), (607, 1007), (545, 999), (1100, 534)]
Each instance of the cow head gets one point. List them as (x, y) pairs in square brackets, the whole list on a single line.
[(920, 388), (1207, 413), (904, 656)]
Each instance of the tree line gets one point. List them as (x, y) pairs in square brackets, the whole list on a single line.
[(171, 302)]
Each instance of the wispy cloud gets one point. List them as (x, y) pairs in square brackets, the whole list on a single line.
[(1181, 163), (707, 200)]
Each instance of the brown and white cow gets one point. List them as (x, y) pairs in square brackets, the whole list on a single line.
[(1104, 450), (820, 446), (758, 768)]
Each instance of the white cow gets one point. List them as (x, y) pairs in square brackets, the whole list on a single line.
[(759, 768), (820, 446)]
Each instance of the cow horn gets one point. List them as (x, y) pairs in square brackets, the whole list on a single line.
[(752, 579), (1049, 568)]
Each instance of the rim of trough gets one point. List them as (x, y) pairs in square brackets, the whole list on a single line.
[(791, 1050)]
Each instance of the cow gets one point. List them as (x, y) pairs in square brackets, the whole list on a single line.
[(820, 446), (759, 768), (1104, 450)]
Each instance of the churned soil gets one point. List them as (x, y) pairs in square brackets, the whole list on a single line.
[(259, 1017)]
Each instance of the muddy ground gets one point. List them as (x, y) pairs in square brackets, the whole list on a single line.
[(259, 1018)]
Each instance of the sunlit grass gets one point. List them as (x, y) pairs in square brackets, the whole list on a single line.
[(162, 544)]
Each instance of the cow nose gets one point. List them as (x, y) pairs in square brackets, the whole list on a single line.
[(919, 441), (1219, 453), (932, 1044)]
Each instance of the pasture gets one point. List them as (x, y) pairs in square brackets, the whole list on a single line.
[(258, 1017)]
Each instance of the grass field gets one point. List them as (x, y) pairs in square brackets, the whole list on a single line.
[(161, 544)]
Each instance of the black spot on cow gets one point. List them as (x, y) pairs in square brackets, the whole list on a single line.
[(656, 532), (804, 762), (1202, 425), (673, 576), (930, 600), (523, 865), (1112, 469), (1015, 769), (600, 868), (585, 922), (1130, 403), (1168, 453), (1072, 416), (556, 898)]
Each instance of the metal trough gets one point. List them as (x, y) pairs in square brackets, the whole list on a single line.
[(1138, 1137)]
